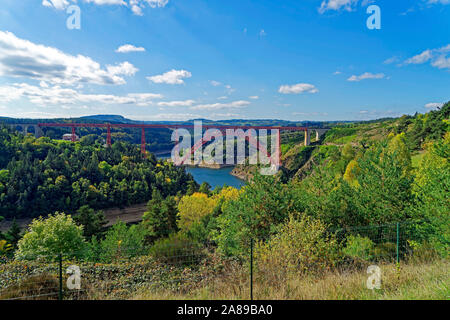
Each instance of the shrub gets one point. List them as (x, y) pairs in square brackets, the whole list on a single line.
[(177, 250), (5, 248), (359, 248), (193, 208), (300, 246), (120, 242), (261, 207), (48, 238)]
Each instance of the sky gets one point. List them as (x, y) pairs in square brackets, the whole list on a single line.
[(214, 59)]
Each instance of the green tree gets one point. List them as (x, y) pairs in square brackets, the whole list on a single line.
[(260, 208), (14, 234), (205, 188), (348, 153), (159, 220), (432, 188), (120, 242), (47, 238), (93, 222)]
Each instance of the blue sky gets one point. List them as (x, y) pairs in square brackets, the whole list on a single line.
[(183, 59)]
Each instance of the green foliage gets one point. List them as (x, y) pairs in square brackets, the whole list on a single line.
[(425, 127), (376, 189), (359, 248), (348, 153), (48, 238), (160, 219), (300, 246), (92, 222), (121, 242), (261, 206), (339, 132), (432, 188), (5, 248), (176, 250), (41, 176), (14, 234)]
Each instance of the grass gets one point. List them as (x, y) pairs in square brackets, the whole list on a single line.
[(423, 280)]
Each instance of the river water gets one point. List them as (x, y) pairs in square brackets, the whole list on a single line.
[(215, 177)]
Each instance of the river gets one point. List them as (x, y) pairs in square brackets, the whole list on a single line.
[(215, 177)]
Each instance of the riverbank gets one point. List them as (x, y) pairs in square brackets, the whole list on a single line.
[(214, 174)]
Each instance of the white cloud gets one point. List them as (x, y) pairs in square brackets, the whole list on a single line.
[(56, 95), (336, 73), (441, 62), (438, 58), (126, 48), (337, 5), (215, 83), (185, 103), (230, 89), (308, 114), (225, 115), (439, 1), (171, 77), (136, 6), (57, 4), (298, 88), (390, 60), (125, 68), (169, 116), (366, 75), (433, 105), (218, 106), (254, 97), (420, 58), (23, 58)]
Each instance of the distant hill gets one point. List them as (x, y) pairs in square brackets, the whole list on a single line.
[(107, 118)]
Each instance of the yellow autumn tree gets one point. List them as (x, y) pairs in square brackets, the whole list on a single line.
[(351, 173), (398, 145), (192, 208), (226, 195)]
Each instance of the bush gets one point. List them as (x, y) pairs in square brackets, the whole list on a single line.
[(359, 248), (120, 242), (301, 246), (48, 238), (193, 208), (261, 207), (177, 250)]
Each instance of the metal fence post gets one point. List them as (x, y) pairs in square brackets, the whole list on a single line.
[(60, 296), (398, 240), (251, 269)]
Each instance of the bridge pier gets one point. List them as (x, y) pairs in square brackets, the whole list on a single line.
[(108, 136), (320, 133), (74, 136), (143, 142), (37, 129), (38, 132), (307, 137)]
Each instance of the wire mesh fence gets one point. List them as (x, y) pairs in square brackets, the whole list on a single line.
[(280, 264), (117, 275), (123, 272)]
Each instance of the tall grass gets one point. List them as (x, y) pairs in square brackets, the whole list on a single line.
[(409, 281)]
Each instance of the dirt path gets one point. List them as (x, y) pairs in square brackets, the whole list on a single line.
[(132, 214)]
